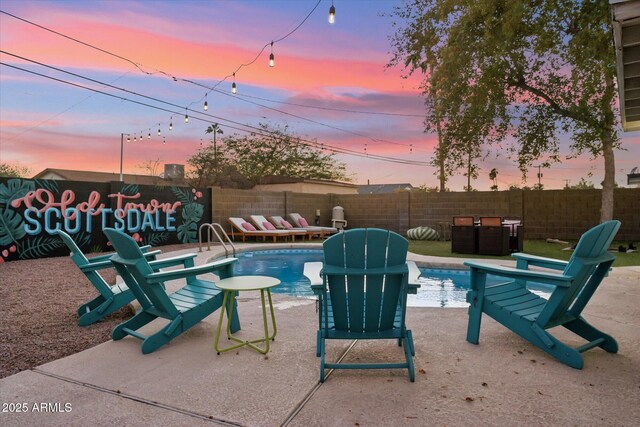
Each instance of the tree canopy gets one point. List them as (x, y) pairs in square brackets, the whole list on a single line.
[(241, 160), (7, 169), (524, 71)]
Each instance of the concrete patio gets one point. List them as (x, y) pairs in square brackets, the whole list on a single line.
[(502, 381)]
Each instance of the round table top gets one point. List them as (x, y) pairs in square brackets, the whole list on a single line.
[(247, 283)]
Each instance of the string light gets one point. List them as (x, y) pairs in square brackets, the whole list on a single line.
[(128, 139), (164, 140), (171, 123), (233, 85), (272, 61), (134, 137), (332, 14), (206, 106), (149, 136), (186, 116), (159, 133)]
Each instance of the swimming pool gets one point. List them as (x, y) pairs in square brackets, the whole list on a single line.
[(439, 287)]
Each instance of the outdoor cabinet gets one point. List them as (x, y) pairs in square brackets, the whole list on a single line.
[(493, 237), (464, 237)]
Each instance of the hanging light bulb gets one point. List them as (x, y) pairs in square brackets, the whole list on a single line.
[(171, 123), (159, 133), (128, 139), (134, 138), (164, 140), (272, 61), (332, 14), (233, 85), (149, 136), (186, 116), (206, 106)]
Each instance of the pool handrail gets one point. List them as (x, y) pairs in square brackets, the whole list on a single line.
[(211, 228)]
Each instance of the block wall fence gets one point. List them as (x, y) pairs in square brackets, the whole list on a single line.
[(560, 214)]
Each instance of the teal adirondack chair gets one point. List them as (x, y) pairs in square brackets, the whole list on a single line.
[(530, 316), (111, 298), (183, 308), (364, 294)]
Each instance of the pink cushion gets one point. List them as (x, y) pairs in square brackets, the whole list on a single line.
[(248, 226), (268, 225), (286, 224), (303, 222)]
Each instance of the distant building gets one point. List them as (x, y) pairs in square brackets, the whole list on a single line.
[(625, 16), (384, 188), (305, 185), (174, 177)]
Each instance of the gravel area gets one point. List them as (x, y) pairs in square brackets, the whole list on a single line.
[(38, 311)]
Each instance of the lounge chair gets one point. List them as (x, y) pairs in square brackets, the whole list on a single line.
[(363, 294), (111, 298), (244, 229), (299, 222), (528, 315), (183, 308), (281, 224), (262, 224)]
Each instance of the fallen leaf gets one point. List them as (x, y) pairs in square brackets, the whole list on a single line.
[(484, 385), (422, 371), (533, 360), (469, 399)]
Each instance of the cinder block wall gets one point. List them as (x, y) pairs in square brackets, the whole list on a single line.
[(389, 211), (561, 214), (231, 202), (306, 205)]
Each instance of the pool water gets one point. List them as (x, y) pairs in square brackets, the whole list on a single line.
[(439, 287)]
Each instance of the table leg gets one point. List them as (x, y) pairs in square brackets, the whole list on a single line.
[(240, 342)]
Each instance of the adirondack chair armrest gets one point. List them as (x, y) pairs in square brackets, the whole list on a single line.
[(607, 257), (538, 261), (94, 266), (414, 274), (526, 275), (191, 271), (105, 257), (170, 262)]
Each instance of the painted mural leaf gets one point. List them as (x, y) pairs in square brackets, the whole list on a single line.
[(155, 239), (192, 212), (130, 189), (188, 233), (11, 227), (39, 247), (182, 195), (49, 184), (14, 189)]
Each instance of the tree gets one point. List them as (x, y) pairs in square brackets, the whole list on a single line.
[(493, 176), (525, 70), (17, 171), (242, 160), (151, 167), (583, 184)]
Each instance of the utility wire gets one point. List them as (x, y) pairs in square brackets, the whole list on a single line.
[(253, 129), (174, 78)]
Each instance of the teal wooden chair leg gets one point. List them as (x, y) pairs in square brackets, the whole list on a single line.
[(582, 328), (160, 338), (91, 305), (475, 298), (322, 351), (318, 343), (407, 351), (136, 322)]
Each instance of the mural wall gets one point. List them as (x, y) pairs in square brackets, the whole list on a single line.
[(31, 212)]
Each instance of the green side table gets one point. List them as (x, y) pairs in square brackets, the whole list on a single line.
[(231, 286)]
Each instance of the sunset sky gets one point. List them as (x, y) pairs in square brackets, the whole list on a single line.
[(335, 74)]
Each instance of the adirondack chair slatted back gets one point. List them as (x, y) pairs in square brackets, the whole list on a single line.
[(81, 260), (593, 244), (133, 267), (363, 300)]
